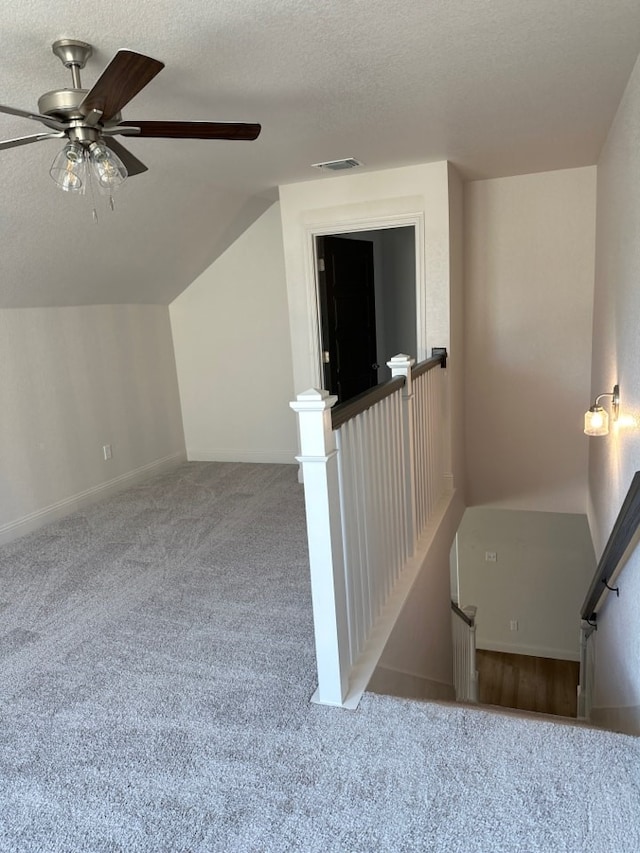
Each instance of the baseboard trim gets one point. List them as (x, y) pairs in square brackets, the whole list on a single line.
[(48, 514), (532, 651), (278, 457), (625, 720)]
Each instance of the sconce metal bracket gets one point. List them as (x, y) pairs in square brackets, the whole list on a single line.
[(615, 402)]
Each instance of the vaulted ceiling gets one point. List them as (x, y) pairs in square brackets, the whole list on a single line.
[(499, 87)]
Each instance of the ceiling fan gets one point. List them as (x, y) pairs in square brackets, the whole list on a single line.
[(89, 119)]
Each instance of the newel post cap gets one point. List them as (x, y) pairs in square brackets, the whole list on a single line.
[(401, 365), (400, 358), (313, 400)]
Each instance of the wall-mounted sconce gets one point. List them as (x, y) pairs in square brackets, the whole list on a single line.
[(596, 420)]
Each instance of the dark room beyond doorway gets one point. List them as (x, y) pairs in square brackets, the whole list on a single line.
[(367, 306)]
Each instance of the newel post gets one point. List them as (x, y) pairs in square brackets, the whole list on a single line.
[(401, 365), (324, 532)]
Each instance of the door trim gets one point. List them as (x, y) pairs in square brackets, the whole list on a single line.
[(378, 223)]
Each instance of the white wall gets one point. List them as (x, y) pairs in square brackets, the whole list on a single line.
[(616, 358), (420, 643), (545, 563), (231, 337), (529, 293), (71, 381)]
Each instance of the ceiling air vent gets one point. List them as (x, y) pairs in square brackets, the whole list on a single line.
[(338, 165)]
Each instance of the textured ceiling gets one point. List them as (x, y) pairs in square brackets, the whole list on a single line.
[(499, 87)]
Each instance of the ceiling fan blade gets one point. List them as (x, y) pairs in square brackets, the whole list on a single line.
[(27, 140), (191, 129), (132, 164), (122, 79), (46, 120)]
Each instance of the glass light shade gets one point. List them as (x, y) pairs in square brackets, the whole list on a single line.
[(67, 170), (108, 168), (596, 421)]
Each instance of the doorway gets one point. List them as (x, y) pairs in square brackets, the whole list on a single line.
[(366, 290), (526, 572)]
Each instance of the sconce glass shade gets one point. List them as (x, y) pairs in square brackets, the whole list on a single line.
[(108, 168), (596, 421), (68, 168)]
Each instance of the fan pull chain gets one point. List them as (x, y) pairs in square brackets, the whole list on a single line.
[(88, 182)]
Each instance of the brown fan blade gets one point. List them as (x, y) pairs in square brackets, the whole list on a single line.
[(27, 140), (122, 79), (46, 120), (132, 164), (192, 129)]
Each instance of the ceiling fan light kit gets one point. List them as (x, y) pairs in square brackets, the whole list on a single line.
[(67, 168), (74, 165), (88, 119)]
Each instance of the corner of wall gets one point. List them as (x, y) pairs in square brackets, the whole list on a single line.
[(231, 338), (75, 380), (456, 320)]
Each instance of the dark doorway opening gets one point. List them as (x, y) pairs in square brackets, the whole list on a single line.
[(367, 306), (347, 315)]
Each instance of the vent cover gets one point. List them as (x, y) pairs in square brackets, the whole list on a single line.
[(338, 165)]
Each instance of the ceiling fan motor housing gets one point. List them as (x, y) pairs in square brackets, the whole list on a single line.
[(62, 103)]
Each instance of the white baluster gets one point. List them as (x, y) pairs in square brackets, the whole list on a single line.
[(401, 365)]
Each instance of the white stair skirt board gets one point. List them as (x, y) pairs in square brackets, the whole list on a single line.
[(48, 514), (364, 667), (278, 457), (408, 685)]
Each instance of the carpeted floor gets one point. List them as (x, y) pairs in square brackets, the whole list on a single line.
[(156, 662)]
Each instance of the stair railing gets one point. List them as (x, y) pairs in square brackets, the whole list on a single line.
[(623, 537), (465, 674), (611, 562), (587, 671), (374, 471)]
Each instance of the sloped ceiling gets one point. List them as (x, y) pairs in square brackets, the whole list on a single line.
[(499, 87)]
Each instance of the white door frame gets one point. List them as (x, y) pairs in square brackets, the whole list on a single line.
[(379, 223)]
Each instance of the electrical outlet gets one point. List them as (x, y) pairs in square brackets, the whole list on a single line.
[(490, 556), (513, 624), (106, 452)]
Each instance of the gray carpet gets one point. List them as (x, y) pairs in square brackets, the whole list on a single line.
[(156, 663)]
